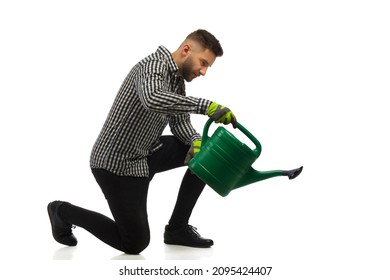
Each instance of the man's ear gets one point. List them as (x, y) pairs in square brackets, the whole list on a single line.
[(185, 50)]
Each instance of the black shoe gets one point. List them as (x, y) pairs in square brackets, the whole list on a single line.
[(186, 236), (62, 231)]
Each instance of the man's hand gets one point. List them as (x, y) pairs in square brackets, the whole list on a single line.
[(195, 148), (221, 114)]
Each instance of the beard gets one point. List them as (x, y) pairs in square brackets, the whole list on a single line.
[(187, 71)]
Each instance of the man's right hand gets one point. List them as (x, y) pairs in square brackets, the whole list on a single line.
[(221, 114)]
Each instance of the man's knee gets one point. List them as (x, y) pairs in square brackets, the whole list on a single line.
[(136, 246)]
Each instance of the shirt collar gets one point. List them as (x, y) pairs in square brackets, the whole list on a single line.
[(168, 56)]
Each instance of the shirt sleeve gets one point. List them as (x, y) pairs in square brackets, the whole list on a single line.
[(182, 128), (156, 97)]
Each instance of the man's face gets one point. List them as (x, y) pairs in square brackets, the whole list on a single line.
[(197, 62)]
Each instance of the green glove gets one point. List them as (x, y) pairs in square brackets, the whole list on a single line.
[(221, 114), (195, 148)]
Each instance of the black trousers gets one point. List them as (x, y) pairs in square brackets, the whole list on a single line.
[(127, 196)]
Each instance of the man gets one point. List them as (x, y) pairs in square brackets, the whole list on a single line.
[(130, 149)]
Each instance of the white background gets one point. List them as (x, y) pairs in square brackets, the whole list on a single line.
[(309, 79)]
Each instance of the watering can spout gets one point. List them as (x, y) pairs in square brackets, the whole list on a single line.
[(254, 176)]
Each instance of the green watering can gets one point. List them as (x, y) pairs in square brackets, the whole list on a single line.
[(224, 163)]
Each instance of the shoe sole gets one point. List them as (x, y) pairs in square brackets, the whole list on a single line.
[(187, 245)]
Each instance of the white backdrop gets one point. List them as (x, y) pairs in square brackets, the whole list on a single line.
[(308, 78)]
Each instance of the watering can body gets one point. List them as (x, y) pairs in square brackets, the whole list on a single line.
[(225, 163)]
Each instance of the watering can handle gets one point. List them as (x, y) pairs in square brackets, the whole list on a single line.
[(256, 151)]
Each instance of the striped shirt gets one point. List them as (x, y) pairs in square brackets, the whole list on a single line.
[(150, 98)]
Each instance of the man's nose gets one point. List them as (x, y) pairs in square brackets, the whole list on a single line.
[(203, 71)]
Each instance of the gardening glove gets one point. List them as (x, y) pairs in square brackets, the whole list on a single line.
[(221, 114), (195, 148)]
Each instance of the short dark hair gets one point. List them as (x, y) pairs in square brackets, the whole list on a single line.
[(207, 41)]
